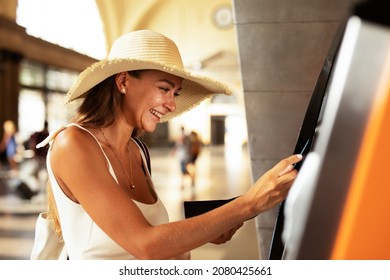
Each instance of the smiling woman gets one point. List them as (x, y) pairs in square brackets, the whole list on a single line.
[(101, 186)]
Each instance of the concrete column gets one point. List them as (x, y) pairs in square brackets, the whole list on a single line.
[(282, 46)]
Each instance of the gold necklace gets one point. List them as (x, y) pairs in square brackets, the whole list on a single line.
[(130, 178)]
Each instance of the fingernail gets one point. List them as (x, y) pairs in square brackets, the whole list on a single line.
[(299, 156)]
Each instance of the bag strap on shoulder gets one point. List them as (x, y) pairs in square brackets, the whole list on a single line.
[(145, 150)]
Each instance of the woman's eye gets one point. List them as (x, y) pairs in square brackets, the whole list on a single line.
[(164, 89), (177, 94)]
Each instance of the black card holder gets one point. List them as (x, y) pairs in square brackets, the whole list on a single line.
[(198, 207)]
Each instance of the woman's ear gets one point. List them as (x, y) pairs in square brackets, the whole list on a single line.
[(120, 81)]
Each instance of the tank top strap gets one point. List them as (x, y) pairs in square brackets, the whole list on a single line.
[(54, 134), (94, 137)]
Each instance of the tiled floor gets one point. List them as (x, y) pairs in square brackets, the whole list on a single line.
[(222, 172)]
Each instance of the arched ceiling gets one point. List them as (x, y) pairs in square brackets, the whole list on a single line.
[(191, 24)]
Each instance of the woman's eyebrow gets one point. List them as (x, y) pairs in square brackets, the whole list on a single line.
[(172, 84)]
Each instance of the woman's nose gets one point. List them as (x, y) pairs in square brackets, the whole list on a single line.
[(170, 104)]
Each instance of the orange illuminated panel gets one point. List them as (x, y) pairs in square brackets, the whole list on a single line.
[(364, 230)]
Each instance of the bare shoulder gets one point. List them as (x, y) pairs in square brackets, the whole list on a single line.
[(73, 142), (74, 150)]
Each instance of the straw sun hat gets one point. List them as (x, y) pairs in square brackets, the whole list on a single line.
[(145, 49)]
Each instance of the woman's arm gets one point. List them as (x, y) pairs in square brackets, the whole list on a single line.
[(81, 169)]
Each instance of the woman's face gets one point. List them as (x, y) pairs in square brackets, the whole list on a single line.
[(149, 97)]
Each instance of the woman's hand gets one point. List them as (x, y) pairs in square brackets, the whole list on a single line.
[(272, 188), (226, 236)]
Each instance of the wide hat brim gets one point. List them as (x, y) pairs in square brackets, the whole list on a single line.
[(195, 88)]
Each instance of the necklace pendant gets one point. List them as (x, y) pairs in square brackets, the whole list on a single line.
[(132, 187)]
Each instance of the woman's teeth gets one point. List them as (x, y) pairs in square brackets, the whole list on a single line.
[(157, 114)]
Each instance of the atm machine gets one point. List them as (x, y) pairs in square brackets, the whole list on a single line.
[(339, 205)]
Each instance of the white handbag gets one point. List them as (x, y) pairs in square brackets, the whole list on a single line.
[(47, 245)]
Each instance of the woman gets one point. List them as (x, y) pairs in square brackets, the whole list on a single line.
[(107, 205)]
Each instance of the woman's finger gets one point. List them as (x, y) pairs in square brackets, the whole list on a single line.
[(286, 165)]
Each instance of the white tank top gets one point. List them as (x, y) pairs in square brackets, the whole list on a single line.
[(82, 236)]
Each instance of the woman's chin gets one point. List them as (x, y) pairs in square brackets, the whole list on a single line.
[(149, 127)]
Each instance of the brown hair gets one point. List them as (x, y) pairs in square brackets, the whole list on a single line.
[(52, 212), (99, 107)]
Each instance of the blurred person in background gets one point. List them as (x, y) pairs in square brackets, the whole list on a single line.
[(39, 154), (9, 145), (196, 146), (182, 150)]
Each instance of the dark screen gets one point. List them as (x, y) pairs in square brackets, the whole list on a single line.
[(308, 131)]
